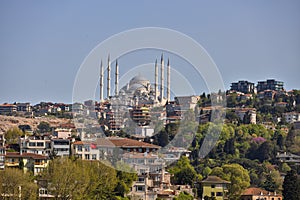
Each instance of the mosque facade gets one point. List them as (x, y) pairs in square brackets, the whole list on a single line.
[(139, 90)]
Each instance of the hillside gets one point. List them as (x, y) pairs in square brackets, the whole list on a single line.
[(7, 122)]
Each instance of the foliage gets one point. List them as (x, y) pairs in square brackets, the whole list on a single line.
[(14, 182), (291, 186), (79, 179), (237, 175), (44, 127), (184, 196), (12, 135), (183, 171)]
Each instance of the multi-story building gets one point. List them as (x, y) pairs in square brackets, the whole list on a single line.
[(187, 102), (61, 147), (7, 108), (35, 144), (247, 115), (214, 186), (173, 111), (140, 115), (2, 157), (243, 86), (23, 107), (258, 193), (102, 148), (291, 117), (288, 158), (2, 139), (28, 161), (270, 84)]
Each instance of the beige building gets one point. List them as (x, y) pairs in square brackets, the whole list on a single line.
[(259, 194)]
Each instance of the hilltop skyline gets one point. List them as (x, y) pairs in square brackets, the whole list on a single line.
[(44, 44)]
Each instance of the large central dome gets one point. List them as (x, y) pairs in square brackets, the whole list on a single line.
[(139, 79)]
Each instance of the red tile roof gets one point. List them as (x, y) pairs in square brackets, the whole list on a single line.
[(25, 155), (118, 142), (258, 191), (214, 179)]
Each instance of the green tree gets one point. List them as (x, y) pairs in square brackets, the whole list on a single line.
[(44, 127), (184, 172), (12, 135), (184, 196), (237, 175), (79, 179), (291, 186), (16, 184)]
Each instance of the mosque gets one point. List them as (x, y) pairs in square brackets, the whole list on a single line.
[(138, 90)]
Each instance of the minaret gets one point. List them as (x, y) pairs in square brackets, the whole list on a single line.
[(162, 78), (101, 81), (117, 79), (168, 81), (156, 81), (108, 77)]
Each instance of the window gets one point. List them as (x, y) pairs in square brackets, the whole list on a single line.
[(219, 194), (94, 156), (213, 186), (39, 144), (32, 144), (87, 156), (139, 188), (79, 148), (212, 194), (87, 148), (141, 179)]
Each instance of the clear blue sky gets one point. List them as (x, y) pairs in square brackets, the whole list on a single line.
[(43, 43)]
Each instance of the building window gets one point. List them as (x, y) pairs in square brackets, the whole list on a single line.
[(213, 186), (87, 148), (86, 156), (219, 194), (139, 188), (94, 156), (141, 179), (212, 194), (39, 144), (79, 148), (32, 144)]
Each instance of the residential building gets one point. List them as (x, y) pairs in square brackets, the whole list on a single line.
[(291, 117), (214, 186), (2, 157), (8, 108), (270, 84), (62, 133), (102, 148), (35, 144), (173, 111), (288, 158), (187, 102), (140, 115), (61, 147), (143, 131), (246, 115), (254, 193), (2, 139), (23, 107), (243, 86), (28, 161)]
